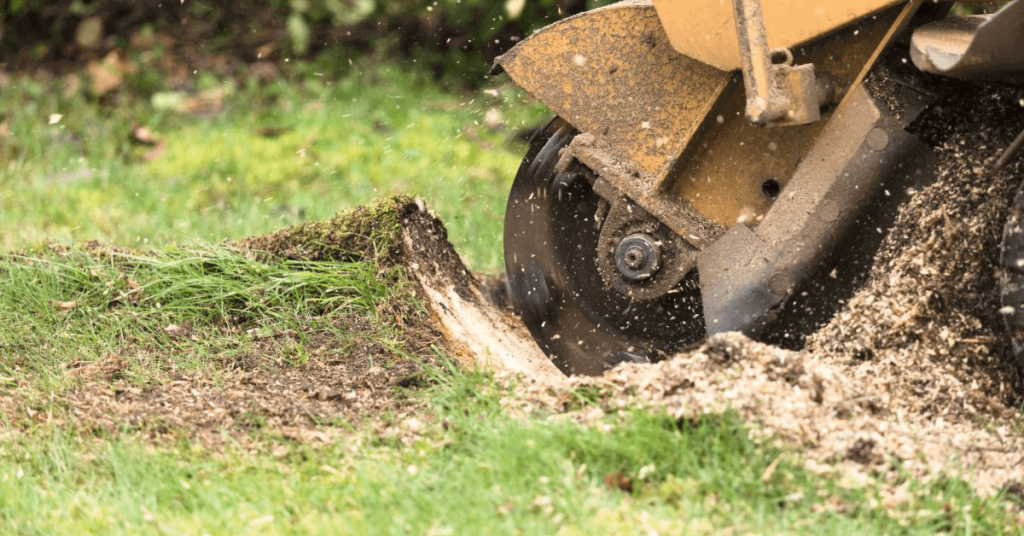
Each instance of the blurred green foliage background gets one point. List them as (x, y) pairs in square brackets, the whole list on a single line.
[(456, 37)]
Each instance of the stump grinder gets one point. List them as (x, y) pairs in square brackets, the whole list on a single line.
[(728, 165)]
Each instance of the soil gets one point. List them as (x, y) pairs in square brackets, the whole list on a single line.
[(257, 391)]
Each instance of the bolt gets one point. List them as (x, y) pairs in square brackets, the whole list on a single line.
[(878, 139), (638, 257)]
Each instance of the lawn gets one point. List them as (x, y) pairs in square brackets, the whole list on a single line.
[(324, 137), (174, 377)]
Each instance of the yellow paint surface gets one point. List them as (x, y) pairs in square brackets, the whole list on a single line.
[(706, 29)]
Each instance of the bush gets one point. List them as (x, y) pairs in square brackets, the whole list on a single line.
[(455, 36)]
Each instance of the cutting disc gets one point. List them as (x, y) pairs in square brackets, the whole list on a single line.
[(551, 239)]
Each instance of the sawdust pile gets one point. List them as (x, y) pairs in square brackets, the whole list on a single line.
[(914, 368), (842, 424), (925, 328)]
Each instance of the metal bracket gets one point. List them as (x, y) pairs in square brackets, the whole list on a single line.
[(747, 274), (778, 93), (629, 181)]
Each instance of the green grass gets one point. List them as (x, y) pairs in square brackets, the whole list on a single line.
[(471, 467), (66, 304), (343, 135), (471, 470)]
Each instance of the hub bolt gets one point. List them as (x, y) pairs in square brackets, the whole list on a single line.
[(638, 257)]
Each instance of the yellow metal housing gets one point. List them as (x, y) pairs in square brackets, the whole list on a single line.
[(706, 29), (612, 73)]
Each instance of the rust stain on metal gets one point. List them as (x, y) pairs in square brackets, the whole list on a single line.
[(612, 73)]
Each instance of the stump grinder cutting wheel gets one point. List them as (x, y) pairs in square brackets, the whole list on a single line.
[(722, 167)]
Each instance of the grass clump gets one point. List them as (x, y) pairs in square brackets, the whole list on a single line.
[(368, 232), (79, 304)]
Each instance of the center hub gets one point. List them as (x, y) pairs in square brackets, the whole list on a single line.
[(638, 257)]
